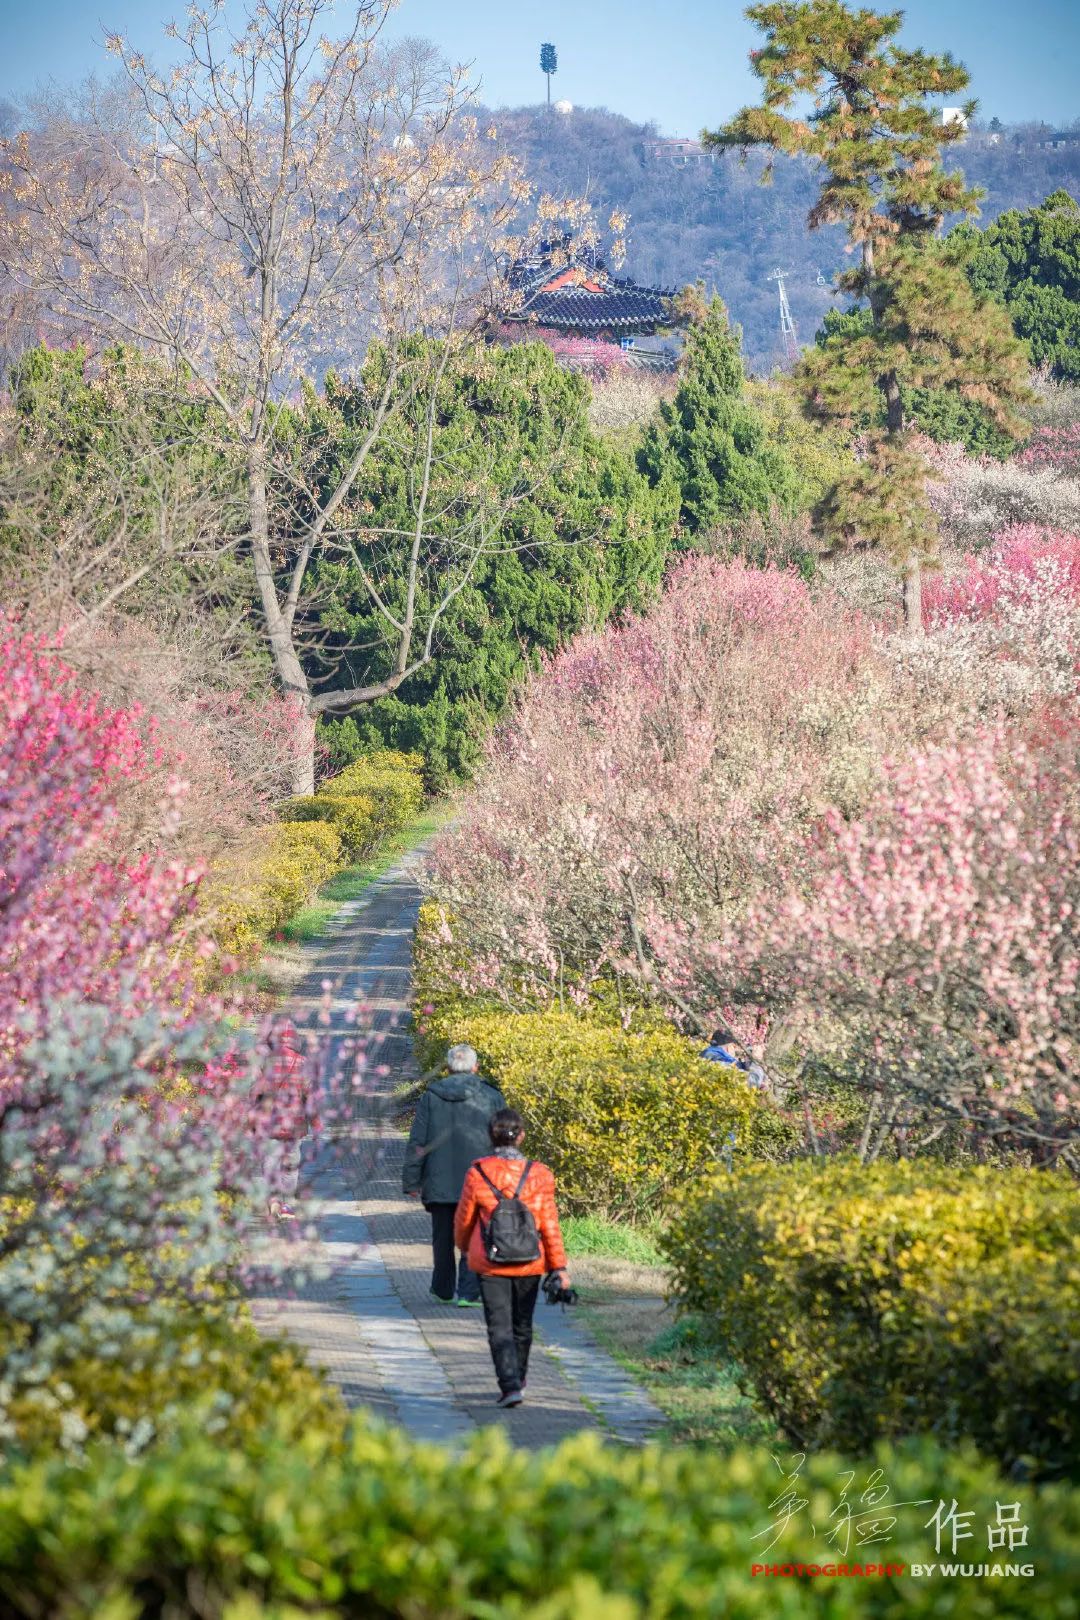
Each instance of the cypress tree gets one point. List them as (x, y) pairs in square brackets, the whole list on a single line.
[(710, 441), (880, 145)]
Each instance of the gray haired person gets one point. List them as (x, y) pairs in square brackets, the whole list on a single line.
[(449, 1131)]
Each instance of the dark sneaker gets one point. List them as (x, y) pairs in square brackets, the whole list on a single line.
[(443, 1299), (470, 1304), (510, 1397)]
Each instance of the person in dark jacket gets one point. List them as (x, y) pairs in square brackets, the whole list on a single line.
[(721, 1049), (449, 1131)]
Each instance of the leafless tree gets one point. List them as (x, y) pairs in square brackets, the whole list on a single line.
[(279, 199)]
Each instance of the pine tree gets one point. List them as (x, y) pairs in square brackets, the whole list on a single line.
[(710, 441), (880, 144)]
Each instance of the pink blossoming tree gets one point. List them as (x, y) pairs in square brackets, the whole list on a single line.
[(933, 962), (128, 1105), (750, 805), (662, 765)]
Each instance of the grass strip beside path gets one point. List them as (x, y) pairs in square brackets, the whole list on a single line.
[(620, 1273)]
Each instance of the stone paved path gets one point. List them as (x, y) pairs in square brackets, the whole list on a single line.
[(372, 1325)]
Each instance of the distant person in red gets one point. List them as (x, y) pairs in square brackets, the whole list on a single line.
[(284, 1083), (527, 1224)]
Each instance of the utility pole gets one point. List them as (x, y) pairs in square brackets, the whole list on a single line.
[(549, 64), (789, 338)]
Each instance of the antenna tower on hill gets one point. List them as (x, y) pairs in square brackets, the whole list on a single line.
[(789, 338)]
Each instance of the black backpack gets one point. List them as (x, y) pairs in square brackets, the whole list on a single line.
[(509, 1234)]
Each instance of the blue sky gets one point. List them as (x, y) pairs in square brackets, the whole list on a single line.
[(680, 62)]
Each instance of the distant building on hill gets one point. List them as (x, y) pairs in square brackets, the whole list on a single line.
[(1060, 137), (953, 115), (573, 295), (677, 149)]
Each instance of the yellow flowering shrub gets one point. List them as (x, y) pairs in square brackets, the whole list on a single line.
[(873, 1301), (353, 817), (391, 779), (623, 1120), (368, 801), (261, 885), (315, 846)]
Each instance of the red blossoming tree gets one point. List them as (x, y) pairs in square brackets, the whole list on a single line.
[(128, 1106)]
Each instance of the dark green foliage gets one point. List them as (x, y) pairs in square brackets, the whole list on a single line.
[(945, 416), (951, 419), (92, 415), (710, 443), (574, 535), (337, 744), (1029, 261), (115, 477), (369, 1525)]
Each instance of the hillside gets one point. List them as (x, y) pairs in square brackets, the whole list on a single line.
[(715, 220)]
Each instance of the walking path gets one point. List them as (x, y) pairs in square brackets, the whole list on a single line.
[(372, 1324)]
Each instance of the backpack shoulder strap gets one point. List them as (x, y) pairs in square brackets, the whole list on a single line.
[(524, 1177), (477, 1165)]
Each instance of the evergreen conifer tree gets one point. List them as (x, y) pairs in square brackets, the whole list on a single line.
[(710, 441), (880, 144)]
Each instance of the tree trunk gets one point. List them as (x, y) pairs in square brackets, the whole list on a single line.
[(290, 671), (894, 404), (913, 613), (912, 581)]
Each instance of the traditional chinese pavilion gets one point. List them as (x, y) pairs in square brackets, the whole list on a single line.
[(581, 299)]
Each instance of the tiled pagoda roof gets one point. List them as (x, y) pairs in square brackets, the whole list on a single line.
[(583, 297)]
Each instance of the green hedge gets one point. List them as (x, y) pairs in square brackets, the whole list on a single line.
[(392, 780), (381, 1526), (264, 881), (209, 1362), (883, 1300), (623, 1120), (370, 800), (352, 816)]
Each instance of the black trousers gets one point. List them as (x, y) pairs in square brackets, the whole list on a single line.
[(509, 1303), (449, 1274)]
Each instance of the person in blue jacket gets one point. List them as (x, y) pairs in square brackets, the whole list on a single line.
[(721, 1049)]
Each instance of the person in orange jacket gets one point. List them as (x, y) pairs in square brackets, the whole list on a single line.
[(509, 1292)]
